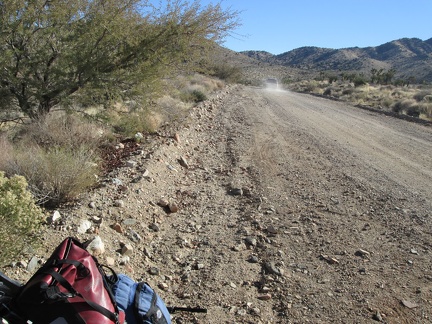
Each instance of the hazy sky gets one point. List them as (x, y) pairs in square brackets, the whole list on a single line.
[(278, 26)]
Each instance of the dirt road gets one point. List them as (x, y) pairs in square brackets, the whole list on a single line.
[(291, 209), (350, 193)]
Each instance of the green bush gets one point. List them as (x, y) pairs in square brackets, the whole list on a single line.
[(193, 96), (20, 217), (228, 73)]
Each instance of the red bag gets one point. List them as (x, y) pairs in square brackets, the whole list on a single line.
[(71, 287)]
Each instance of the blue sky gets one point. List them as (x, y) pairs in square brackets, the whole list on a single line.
[(278, 26)]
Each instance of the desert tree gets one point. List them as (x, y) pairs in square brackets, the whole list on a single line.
[(52, 49)]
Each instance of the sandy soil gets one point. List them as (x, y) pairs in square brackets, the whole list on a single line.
[(291, 209)]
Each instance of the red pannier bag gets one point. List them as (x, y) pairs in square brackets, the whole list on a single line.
[(71, 287)]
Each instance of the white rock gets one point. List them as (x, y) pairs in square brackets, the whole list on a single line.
[(84, 226), (96, 247)]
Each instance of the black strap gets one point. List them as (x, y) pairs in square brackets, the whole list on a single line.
[(137, 302), (83, 271), (187, 309), (62, 281), (152, 313)]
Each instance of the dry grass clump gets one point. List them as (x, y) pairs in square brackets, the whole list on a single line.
[(172, 108), (415, 101), (57, 155)]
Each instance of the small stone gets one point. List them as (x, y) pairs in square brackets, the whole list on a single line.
[(183, 162), (137, 179), (264, 297), (173, 207), (138, 137), (117, 182), (22, 264), (84, 226), (129, 221), (154, 271), (97, 220), (109, 261), (232, 285), (409, 304), (92, 205), (127, 249), (236, 192), (271, 229), (177, 138), (163, 202), (163, 285), (242, 312), (251, 241), (253, 259), (270, 268), (131, 164), (377, 316), (96, 247), (117, 227), (146, 173), (119, 203), (362, 253), (413, 251), (55, 217), (154, 227), (255, 311), (265, 290), (239, 247), (124, 260), (34, 261), (134, 236)]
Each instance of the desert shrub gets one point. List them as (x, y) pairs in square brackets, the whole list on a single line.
[(386, 102), (58, 156), (414, 111), (311, 86), (348, 91), (426, 109), (20, 217), (228, 73), (419, 96), (128, 124), (327, 92), (62, 130), (359, 80), (193, 96), (403, 105), (56, 175)]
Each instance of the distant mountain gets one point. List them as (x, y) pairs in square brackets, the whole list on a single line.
[(410, 57)]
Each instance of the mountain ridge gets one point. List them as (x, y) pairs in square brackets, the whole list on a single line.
[(410, 57)]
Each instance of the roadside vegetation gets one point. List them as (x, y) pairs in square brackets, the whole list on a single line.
[(377, 90), (76, 77)]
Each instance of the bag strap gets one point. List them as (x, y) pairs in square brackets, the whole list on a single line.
[(152, 313), (55, 293), (83, 271)]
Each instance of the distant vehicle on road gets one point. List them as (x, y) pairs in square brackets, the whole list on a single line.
[(272, 83)]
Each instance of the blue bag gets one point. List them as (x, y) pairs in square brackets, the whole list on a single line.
[(140, 302)]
